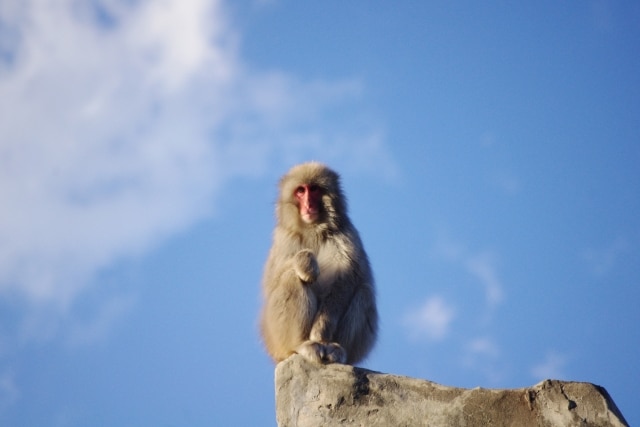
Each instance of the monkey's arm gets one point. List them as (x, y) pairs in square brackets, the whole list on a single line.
[(290, 304), (285, 257)]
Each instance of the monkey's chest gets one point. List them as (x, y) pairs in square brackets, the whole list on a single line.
[(333, 265)]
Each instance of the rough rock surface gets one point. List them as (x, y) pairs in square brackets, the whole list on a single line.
[(315, 395)]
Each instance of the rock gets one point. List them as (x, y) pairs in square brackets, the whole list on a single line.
[(327, 395)]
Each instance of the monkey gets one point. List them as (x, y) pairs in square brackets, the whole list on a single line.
[(318, 287)]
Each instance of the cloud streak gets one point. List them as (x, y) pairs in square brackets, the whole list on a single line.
[(483, 288), (480, 265), (432, 320), (9, 392), (552, 367), (482, 354), (603, 260)]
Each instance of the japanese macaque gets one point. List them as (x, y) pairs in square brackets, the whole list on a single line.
[(318, 289)]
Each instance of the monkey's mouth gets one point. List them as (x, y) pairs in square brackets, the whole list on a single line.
[(310, 216)]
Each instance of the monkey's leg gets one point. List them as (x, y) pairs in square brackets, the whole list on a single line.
[(289, 312), (358, 327)]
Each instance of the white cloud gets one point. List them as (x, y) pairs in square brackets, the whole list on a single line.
[(120, 122), (432, 320), (601, 261), (101, 153), (9, 392), (508, 183), (482, 266), (483, 355), (447, 248), (483, 346), (551, 368), (499, 176)]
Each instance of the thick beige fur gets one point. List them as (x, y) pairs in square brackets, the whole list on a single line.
[(318, 289)]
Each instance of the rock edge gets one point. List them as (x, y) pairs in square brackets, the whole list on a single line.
[(308, 394)]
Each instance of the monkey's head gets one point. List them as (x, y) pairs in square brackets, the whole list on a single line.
[(310, 195)]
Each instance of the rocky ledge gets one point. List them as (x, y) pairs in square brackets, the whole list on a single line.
[(328, 395)]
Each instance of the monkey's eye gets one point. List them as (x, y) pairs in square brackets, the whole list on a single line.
[(313, 188), (300, 190)]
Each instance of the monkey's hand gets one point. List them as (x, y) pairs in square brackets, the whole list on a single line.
[(306, 266)]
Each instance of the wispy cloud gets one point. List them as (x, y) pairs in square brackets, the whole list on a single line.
[(508, 183), (9, 392), (483, 346), (499, 175), (482, 265), (602, 260), (121, 121), (552, 367), (482, 354), (432, 320)]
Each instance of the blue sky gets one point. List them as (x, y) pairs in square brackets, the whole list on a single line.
[(490, 154)]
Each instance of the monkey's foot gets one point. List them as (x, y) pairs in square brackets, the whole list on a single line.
[(334, 353), (311, 350), (322, 352)]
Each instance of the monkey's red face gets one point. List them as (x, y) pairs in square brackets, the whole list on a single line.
[(309, 197)]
